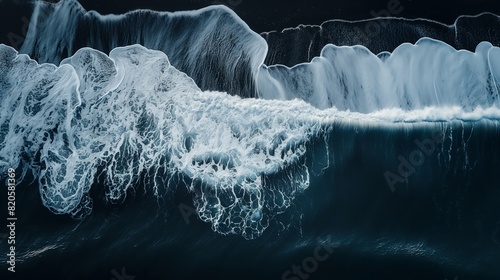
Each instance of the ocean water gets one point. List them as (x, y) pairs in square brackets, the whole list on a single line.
[(184, 145)]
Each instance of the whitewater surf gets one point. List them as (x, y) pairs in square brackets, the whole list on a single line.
[(186, 134)]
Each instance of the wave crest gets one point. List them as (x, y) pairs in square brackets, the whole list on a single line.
[(133, 113)]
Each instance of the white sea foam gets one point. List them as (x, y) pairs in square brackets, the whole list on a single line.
[(133, 113)]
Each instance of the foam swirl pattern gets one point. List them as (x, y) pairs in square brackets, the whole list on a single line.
[(413, 77), (133, 113)]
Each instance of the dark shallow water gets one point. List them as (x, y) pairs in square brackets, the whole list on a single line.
[(444, 223)]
